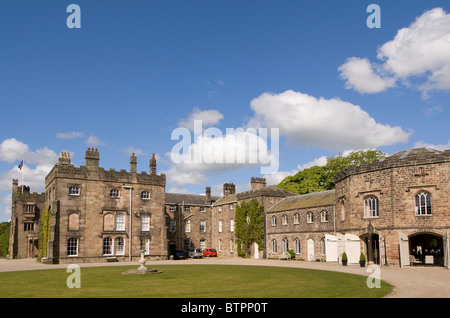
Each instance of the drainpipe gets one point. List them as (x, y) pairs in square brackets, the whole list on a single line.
[(131, 213)]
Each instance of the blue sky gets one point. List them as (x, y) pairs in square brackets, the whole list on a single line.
[(137, 70)]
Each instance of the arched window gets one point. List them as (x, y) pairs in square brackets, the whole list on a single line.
[(108, 222), (324, 216), (285, 245), (309, 217), (274, 220), (284, 219), (187, 226), (72, 246), (296, 218), (119, 246), (423, 203), (274, 246), (107, 246), (323, 246), (297, 246), (371, 207)]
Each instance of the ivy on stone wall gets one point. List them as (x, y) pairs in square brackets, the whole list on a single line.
[(44, 233), (249, 227)]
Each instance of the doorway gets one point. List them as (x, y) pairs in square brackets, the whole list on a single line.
[(427, 248), (372, 247)]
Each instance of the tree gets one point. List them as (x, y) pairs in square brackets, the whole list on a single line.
[(249, 226), (321, 178), (44, 230), (4, 238)]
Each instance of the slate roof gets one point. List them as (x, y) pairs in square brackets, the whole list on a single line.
[(270, 191), (187, 199), (303, 201)]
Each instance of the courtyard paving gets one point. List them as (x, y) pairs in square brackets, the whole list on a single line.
[(409, 282)]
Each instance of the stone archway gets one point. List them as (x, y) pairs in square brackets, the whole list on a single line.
[(427, 248)]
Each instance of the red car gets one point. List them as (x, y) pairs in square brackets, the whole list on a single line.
[(209, 252)]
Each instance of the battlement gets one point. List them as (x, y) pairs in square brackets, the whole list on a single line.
[(64, 169), (410, 157)]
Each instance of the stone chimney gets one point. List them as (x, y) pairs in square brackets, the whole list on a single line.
[(153, 165), (257, 183), (133, 163), (64, 158), (208, 195), (92, 158), (228, 188)]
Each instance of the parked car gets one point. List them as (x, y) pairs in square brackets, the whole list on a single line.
[(180, 255), (210, 252), (195, 253)]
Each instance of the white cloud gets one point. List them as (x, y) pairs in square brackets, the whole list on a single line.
[(208, 118), (94, 141), (421, 144), (361, 76), (71, 135), (13, 150), (332, 124), (238, 149), (417, 51)]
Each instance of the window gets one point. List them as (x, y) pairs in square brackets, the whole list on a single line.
[(296, 218), (119, 246), (274, 221), (187, 208), (323, 246), (145, 195), (423, 203), (232, 225), (120, 222), (285, 245), (220, 245), (145, 222), (202, 244), (284, 220), (324, 216), (309, 217), (173, 208), (231, 206), (220, 226), (72, 246), (202, 226), (74, 222), (28, 226), (297, 246), (145, 246), (187, 226), (74, 190), (202, 209), (274, 246), (173, 226), (114, 193), (371, 207), (231, 246), (107, 246), (108, 222), (220, 209)]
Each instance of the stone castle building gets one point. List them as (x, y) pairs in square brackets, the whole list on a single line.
[(395, 211)]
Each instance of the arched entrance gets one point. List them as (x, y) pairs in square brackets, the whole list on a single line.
[(427, 248), (372, 247)]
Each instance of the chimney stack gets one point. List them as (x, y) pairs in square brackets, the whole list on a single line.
[(208, 195), (257, 183), (92, 158), (228, 188)]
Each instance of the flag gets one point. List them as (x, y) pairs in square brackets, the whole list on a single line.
[(20, 165)]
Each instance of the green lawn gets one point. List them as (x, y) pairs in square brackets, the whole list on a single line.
[(190, 281)]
